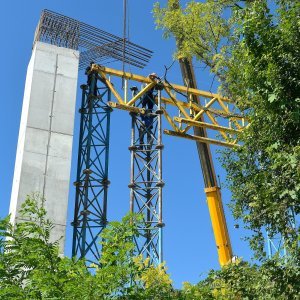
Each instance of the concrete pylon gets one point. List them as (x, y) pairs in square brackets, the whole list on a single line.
[(43, 159)]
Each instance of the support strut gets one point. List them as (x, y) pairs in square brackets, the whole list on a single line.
[(275, 243), (146, 180), (90, 215)]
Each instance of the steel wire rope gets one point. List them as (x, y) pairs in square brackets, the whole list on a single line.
[(214, 111)]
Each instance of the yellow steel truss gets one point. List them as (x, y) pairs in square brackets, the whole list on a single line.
[(180, 112)]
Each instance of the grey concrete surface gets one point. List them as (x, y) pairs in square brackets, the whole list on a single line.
[(43, 158)]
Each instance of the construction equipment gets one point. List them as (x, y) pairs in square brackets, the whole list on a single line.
[(216, 115), (212, 190)]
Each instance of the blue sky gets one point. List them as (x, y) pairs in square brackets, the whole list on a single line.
[(189, 247)]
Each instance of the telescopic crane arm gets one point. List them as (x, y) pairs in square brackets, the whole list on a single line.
[(213, 194), (212, 190)]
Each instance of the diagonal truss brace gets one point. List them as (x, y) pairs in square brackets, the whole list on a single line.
[(275, 244), (90, 214), (217, 114), (146, 181)]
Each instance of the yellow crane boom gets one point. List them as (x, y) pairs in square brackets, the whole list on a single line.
[(213, 195)]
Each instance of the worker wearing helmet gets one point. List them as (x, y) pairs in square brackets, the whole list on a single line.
[(89, 78), (147, 118)]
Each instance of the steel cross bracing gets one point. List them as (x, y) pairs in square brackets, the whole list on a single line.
[(220, 115), (92, 171), (275, 243), (146, 178)]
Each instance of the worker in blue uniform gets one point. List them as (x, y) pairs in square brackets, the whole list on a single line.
[(148, 117), (89, 78)]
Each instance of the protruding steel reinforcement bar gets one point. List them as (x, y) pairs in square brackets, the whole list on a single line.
[(94, 44)]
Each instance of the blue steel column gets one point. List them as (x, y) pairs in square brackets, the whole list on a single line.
[(275, 243), (146, 182), (90, 214)]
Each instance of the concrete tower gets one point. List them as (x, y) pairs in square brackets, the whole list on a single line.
[(43, 159), (44, 150)]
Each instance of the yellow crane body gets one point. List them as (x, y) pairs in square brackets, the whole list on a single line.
[(217, 216)]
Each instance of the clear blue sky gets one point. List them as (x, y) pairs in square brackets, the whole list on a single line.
[(189, 247)]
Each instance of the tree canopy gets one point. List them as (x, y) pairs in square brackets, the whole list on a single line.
[(253, 49), (31, 268)]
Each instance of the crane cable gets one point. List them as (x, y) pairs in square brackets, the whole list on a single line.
[(124, 37)]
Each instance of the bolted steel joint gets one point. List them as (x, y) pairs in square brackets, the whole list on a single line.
[(77, 183), (103, 221), (148, 111), (75, 223), (133, 114), (82, 110), (160, 184), (108, 109), (87, 171), (85, 212), (105, 182), (132, 148), (159, 147), (159, 86), (161, 225)]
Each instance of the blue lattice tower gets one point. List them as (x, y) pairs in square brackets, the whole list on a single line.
[(146, 180), (90, 215), (275, 243)]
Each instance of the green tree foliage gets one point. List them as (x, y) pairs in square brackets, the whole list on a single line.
[(263, 76), (122, 273), (253, 48), (200, 29), (241, 280), (31, 267)]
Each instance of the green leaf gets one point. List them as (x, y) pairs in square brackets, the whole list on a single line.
[(272, 98)]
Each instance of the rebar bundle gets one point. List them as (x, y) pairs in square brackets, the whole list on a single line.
[(93, 43)]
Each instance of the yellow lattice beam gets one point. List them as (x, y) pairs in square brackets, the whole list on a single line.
[(212, 115)]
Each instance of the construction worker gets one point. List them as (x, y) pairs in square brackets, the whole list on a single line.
[(147, 118), (90, 76), (148, 101)]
